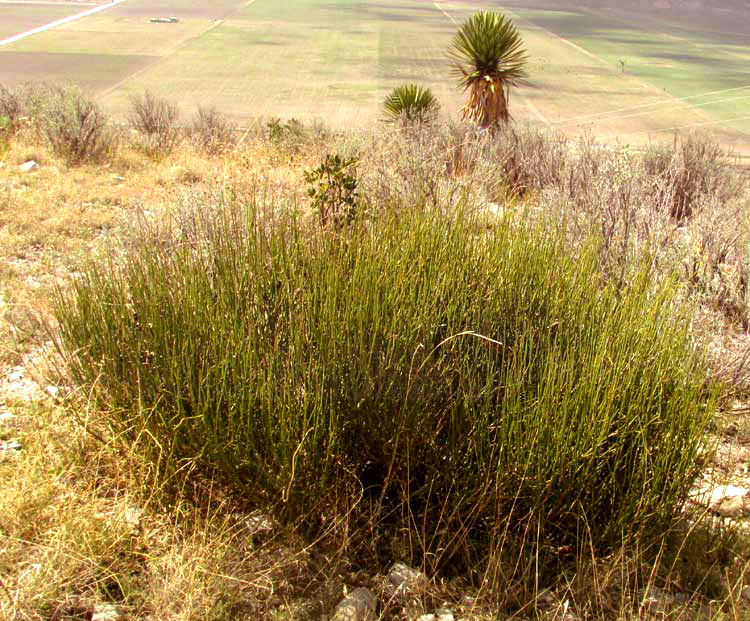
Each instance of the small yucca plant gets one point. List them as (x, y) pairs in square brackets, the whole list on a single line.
[(489, 59), (410, 103)]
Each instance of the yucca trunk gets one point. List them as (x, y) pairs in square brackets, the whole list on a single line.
[(488, 104)]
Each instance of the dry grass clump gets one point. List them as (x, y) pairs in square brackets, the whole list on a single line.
[(76, 127), (66, 540), (156, 119), (83, 523), (211, 131), (82, 528)]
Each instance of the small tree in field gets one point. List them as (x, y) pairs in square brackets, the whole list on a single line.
[(489, 59)]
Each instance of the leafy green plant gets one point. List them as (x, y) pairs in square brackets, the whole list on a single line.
[(278, 130), (333, 189), (411, 103), (489, 59)]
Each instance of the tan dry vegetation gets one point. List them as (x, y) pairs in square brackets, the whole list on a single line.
[(80, 524), (83, 521)]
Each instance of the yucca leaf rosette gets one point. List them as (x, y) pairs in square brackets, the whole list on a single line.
[(489, 58), (411, 103)]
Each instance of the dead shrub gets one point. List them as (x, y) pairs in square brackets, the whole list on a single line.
[(692, 168), (211, 131), (11, 107), (599, 191), (76, 127), (156, 119), (459, 148), (531, 159), (714, 259)]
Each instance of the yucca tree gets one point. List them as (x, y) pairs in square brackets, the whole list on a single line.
[(489, 59), (410, 103)]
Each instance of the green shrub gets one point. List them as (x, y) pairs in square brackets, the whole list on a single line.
[(332, 186), (447, 382), (278, 130), (75, 126)]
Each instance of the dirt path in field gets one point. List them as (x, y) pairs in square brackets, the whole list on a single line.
[(165, 56), (444, 12), (160, 59), (60, 22)]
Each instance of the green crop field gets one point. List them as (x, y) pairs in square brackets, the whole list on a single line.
[(310, 59), (698, 70), (620, 75)]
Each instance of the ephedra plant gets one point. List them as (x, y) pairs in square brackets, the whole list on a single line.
[(436, 382)]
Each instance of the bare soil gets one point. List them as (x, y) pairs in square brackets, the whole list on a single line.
[(18, 17), (217, 9), (90, 71)]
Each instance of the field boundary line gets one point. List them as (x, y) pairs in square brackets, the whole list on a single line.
[(662, 102), (537, 112), (688, 106), (679, 127), (562, 39), (136, 73), (160, 59), (60, 22), (674, 100), (444, 12)]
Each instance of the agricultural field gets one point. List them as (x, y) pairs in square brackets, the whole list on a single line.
[(308, 59), (17, 17), (620, 74), (699, 65)]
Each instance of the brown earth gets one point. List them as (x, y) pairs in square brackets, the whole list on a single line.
[(18, 17), (89, 71), (182, 9)]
